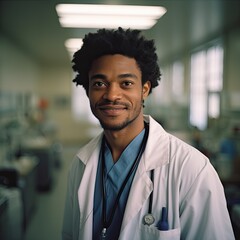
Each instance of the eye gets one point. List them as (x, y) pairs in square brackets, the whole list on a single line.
[(98, 84), (127, 84)]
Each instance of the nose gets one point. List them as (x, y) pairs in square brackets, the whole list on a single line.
[(113, 93)]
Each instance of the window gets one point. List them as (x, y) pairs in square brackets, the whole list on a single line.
[(215, 82), (198, 94), (213, 105), (177, 79), (206, 85)]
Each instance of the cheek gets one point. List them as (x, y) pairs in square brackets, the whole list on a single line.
[(137, 95), (136, 99), (93, 96), (91, 100)]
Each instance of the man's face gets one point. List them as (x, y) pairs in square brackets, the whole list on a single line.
[(116, 92)]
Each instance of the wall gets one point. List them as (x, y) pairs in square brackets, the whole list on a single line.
[(232, 72), (19, 74), (56, 86), (22, 75), (18, 71)]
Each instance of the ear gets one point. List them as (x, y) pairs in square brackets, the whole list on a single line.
[(146, 89)]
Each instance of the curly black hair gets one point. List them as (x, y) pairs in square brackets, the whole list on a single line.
[(119, 41)]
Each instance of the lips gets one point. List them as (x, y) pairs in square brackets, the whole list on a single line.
[(112, 109)]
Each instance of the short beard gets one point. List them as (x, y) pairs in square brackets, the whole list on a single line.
[(117, 127), (122, 125)]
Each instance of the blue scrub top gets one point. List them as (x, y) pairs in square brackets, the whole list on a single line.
[(114, 176)]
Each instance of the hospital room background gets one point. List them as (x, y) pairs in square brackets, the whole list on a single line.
[(45, 118)]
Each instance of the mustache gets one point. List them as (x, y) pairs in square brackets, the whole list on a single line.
[(107, 103)]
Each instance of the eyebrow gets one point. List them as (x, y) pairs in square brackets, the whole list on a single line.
[(97, 76), (124, 75), (128, 75)]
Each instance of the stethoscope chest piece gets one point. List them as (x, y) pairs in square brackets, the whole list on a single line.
[(148, 219)]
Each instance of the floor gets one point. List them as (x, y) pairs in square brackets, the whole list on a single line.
[(46, 219)]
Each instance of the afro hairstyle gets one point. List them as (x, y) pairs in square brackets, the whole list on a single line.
[(119, 41)]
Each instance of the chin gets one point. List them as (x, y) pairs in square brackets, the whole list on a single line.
[(115, 126)]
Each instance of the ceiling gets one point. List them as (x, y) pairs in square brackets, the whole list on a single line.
[(33, 25)]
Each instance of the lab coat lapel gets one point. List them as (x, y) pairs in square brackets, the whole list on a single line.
[(155, 155), (139, 193), (89, 156)]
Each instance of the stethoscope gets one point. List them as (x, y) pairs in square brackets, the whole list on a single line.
[(149, 218)]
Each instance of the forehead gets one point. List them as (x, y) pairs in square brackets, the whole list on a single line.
[(116, 63)]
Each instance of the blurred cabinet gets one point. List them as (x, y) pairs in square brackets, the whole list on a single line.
[(3, 215), (11, 218), (236, 220), (41, 148), (20, 175)]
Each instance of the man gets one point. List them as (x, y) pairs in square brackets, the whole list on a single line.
[(134, 180)]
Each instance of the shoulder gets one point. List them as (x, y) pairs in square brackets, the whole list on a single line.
[(185, 160), (186, 156), (193, 171), (175, 149)]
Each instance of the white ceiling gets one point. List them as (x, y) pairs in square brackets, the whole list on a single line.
[(33, 25)]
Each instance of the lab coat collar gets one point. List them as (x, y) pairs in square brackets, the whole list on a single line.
[(156, 153), (85, 153)]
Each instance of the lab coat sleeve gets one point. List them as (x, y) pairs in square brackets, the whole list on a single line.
[(203, 212), (70, 226), (68, 211)]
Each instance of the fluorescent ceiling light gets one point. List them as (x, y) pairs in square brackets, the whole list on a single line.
[(108, 16), (107, 22), (123, 10)]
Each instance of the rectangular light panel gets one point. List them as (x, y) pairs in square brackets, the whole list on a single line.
[(108, 16)]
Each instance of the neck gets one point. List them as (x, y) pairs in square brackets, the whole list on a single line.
[(119, 140)]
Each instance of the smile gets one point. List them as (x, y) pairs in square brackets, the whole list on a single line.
[(112, 110)]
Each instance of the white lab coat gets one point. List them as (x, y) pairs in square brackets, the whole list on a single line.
[(184, 181)]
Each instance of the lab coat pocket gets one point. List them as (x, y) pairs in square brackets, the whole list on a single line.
[(152, 233)]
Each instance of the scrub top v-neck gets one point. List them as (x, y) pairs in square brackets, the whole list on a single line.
[(114, 176)]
